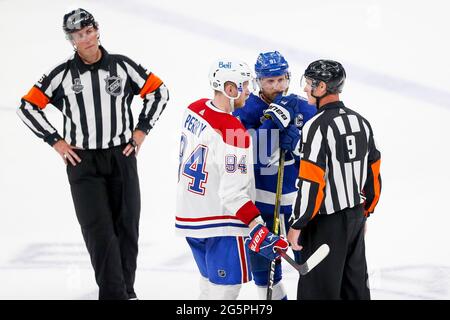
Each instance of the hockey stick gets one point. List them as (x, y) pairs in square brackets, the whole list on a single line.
[(276, 219), (312, 261)]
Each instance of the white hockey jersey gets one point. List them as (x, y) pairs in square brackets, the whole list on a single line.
[(215, 177)]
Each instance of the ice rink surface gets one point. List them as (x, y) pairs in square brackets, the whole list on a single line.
[(396, 58)]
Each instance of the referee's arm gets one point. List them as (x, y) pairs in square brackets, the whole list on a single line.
[(311, 182), (150, 88), (155, 94), (30, 112), (372, 188)]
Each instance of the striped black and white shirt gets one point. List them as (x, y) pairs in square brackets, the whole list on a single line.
[(339, 165), (95, 101)]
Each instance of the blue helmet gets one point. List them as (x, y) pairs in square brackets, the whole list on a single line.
[(271, 64)]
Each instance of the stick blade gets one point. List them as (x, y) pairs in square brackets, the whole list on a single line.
[(315, 259)]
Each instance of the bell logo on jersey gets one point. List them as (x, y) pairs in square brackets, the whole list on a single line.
[(224, 65)]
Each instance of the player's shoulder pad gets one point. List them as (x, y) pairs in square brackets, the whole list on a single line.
[(229, 127)]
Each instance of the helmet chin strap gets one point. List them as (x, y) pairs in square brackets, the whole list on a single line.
[(317, 97), (232, 99), (264, 98)]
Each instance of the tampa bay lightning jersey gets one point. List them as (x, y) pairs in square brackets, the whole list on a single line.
[(265, 136)]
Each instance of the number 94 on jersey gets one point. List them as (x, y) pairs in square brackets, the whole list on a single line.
[(196, 167)]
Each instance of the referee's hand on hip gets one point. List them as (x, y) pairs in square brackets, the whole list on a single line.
[(66, 152), (136, 142)]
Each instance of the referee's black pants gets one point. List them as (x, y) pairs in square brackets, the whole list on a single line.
[(343, 273), (105, 192)]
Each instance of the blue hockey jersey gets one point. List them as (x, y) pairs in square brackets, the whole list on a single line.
[(266, 155)]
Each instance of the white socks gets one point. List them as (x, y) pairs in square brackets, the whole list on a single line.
[(212, 291)]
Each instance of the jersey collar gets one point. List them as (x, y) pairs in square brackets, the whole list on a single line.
[(211, 105), (332, 105), (103, 63)]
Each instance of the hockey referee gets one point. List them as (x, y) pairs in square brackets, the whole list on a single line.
[(94, 89), (339, 186)]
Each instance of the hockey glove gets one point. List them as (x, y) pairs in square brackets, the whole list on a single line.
[(282, 110), (265, 243), (290, 139)]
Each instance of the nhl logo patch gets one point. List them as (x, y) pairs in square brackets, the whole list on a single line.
[(77, 86), (113, 85), (221, 273)]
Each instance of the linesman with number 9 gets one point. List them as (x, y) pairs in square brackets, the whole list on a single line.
[(339, 187)]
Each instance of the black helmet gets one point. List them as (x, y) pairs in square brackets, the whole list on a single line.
[(77, 20), (329, 71)]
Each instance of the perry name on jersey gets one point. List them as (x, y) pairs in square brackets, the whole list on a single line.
[(215, 189)]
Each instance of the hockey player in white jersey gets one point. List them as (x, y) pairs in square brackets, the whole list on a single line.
[(215, 193)]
